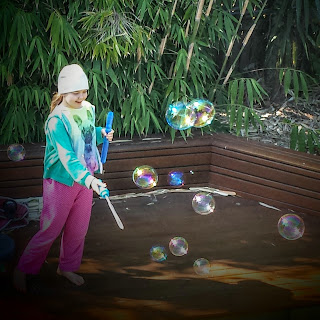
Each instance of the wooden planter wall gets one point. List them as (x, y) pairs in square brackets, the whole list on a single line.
[(277, 176)]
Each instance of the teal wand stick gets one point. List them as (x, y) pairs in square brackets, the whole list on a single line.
[(104, 193)]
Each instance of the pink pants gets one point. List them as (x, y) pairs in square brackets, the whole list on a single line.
[(63, 207)]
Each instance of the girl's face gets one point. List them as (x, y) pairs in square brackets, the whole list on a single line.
[(74, 99)]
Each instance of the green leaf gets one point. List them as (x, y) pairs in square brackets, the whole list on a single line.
[(31, 47), (240, 92), (281, 75), (246, 120), (249, 92), (294, 137), (258, 89), (95, 84), (295, 86), (113, 76), (232, 116), (287, 81), (234, 91), (239, 120), (304, 86), (155, 121), (302, 140), (310, 142)]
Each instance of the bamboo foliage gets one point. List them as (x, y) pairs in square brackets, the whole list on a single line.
[(139, 56), (305, 139)]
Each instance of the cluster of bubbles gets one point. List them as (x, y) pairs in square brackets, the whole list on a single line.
[(146, 177), (16, 152), (197, 113), (178, 246)]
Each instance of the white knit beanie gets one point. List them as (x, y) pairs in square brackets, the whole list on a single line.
[(72, 78)]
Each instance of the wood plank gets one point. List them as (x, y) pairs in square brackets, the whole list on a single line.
[(266, 151), (20, 173), (269, 173), (253, 189), (158, 162), (253, 169), (272, 189), (269, 162), (22, 191)]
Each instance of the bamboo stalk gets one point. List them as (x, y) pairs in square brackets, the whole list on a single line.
[(190, 50), (171, 69), (151, 86), (244, 42), (164, 40), (209, 7), (174, 8), (195, 31), (230, 47), (199, 10), (162, 45), (138, 54), (248, 35), (187, 28)]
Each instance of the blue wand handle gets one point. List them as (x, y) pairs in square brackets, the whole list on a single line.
[(105, 145)]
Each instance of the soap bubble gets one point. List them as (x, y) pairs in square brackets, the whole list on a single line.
[(158, 253), (203, 203), (145, 177), (16, 152), (178, 246), (291, 226), (176, 178), (204, 111), (180, 116), (201, 266)]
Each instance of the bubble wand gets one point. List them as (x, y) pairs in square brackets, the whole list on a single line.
[(104, 192), (105, 145)]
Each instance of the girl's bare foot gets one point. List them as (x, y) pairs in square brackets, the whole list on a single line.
[(19, 280), (71, 276)]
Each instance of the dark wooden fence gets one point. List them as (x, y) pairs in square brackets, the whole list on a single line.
[(273, 175)]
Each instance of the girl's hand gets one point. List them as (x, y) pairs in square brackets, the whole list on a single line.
[(97, 184), (109, 135)]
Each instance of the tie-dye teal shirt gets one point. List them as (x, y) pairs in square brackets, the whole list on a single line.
[(71, 144)]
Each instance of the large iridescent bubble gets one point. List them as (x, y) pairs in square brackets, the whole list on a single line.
[(16, 152), (145, 177), (176, 178), (180, 116), (203, 203), (204, 111), (158, 253), (178, 246), (291, 226), (201, 266)]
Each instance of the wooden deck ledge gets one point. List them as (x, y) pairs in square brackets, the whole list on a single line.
[(273, 175)]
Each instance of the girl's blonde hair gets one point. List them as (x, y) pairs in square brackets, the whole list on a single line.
[(56, 99)]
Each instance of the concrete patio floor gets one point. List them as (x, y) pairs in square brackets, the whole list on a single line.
[(255, 273)]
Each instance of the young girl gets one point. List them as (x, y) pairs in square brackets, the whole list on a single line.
[(70, 162)]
